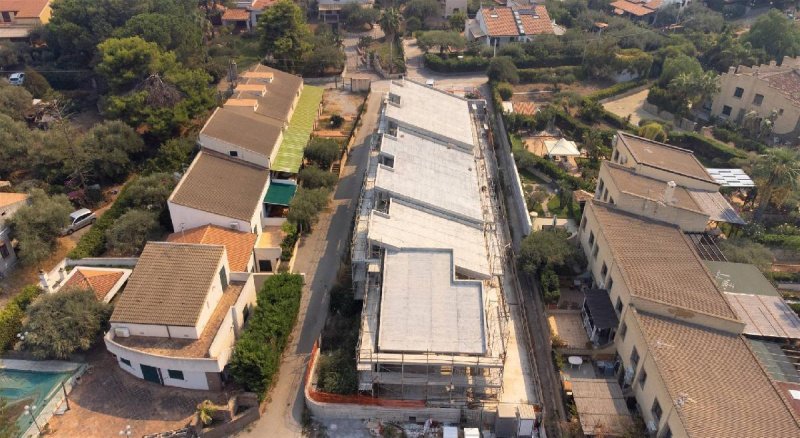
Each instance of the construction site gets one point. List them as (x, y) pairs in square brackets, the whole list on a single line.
[(428, 256)]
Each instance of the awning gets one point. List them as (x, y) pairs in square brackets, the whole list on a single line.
[(716, 206), (280, 193), (599, 305), (295, 138), (562, 148), (731, 177), (601, 406)]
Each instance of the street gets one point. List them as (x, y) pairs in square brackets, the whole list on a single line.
[(318, 257)]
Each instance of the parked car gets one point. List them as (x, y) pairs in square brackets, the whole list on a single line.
[(17, 78), (80, 219)]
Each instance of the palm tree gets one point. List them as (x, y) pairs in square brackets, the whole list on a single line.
[(775, 171), (205, 411), (390, 22)]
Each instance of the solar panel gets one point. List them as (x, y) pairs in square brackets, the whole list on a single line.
[(731, 177)]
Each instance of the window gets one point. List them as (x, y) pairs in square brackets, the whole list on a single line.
[(780, 112), (610, 284), (615, 157), (738, 92), (264, 266), (125, 361), (666, 433), (605, 195), (234, 153), (726, 110), (634, 358), (223, 278), (393, 98), (619, 305), (656, 411), (594, 252), (758, 99), (600, 187), (583, 223), (175, 374), (4, 250), (623, 329), (604, 271), (611, 200), (642, 377), (591, 238)]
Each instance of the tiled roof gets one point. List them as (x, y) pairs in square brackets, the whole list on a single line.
[(664, 156), (726, 393), (788, 83), (7, 199), (527, 108), (99, 282), (536, 22), (631, 8), (500, 21), (221, 185), (236, 14), (24, 8), (658, 263), (262, 4), (627, 180), (243, 127), (169, 284), (239, 244)]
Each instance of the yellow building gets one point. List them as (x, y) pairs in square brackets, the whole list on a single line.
[(19, 17), (762, 89)]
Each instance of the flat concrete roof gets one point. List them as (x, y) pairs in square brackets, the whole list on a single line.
[(448, 118), (407, 227), (431, 174), (424, 309)]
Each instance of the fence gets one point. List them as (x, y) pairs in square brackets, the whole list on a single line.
[(520, 207)]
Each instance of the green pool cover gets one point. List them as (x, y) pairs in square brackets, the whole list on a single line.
[(290, 152), (280, 193)]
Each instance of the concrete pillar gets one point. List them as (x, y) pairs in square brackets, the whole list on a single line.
[(44, 282), (62, 274)]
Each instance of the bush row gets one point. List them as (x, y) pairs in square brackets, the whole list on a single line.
[(12, 314), (615, 89), (527, 160), (454, 64), (562, 75), (708, 150), (257, 353), (741, 142), (782, 241)]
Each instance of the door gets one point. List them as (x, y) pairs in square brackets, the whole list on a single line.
[(151, 374)]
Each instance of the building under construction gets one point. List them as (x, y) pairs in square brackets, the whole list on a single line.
[(427, 259)]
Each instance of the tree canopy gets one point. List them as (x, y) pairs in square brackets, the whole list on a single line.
[(285, 36), (110, 146), (502, 69), (130, 233), (441, 39), (776, 34), (38, 224), (545, 248)]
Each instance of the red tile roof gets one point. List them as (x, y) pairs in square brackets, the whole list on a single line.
[(262, 4), (632, 8), (527, 108), (24, 8), (536, 23), (788, 83), (235, 14), (500, 22), (238, 243), (97, 281)]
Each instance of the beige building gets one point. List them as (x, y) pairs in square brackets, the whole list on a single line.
[(762, 89), (19, 17)]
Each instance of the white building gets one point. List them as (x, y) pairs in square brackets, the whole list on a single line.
[(9, 204), (177, 320), (245, 13)]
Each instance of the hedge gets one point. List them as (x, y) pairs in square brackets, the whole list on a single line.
[(742, 142), (615, 89), (706, 149), (12, 314), (550, 61), (257, 353), (455, 65), (783, 241), (562, 75), (526, 160)]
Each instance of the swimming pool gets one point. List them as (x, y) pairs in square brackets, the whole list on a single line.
[(21, 388)]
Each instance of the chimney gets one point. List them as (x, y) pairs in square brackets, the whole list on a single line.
[(44, 283), (669, 193)]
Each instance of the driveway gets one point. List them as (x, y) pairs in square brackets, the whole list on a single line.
[(633, 106), (416, 70), (319, 256)]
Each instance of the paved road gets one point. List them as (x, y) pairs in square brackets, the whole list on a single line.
[(319, 257)]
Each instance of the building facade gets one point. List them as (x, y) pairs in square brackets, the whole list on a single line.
[(500, 25), (19, 17)]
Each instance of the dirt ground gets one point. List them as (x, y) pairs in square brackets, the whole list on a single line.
[(343, 103), (107, 399)]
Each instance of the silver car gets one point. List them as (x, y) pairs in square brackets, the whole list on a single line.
[(80, 219)]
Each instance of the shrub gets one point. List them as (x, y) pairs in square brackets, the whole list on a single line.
[(59, 324), (454, 64), (93, 243), (741, 250), (314, 178), (502, 69), (131, 232), (306, 206), (506, 90), (336, 121), (322, 152), (706, 149), (257, 353), (288, 242), (551, 75), (615, 89), (550, 287), (337, 373)]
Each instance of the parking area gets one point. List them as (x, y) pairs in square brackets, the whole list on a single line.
[(107, 399)]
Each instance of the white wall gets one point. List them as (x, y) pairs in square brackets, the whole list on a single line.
[(225, 148), (191, 379), (191, 218), (7, 262)]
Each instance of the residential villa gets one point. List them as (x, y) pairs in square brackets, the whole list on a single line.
[(9, 204), (19, 17), (685, 325), (645, 10), (328, 10), (768, 90), (104, 282), (245, 13), (499, 25), (180, 314)]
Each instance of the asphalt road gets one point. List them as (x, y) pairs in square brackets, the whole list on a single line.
[(318, 257)]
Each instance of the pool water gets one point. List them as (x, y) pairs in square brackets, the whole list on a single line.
[(21, 388)]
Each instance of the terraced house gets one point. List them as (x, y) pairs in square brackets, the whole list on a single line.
[(690, 324)]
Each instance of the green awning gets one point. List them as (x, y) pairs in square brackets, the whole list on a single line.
[(280, 193), (295, 138)]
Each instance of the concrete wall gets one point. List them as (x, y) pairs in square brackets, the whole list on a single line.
[(7, 262), (225, 148), (521, 207)]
